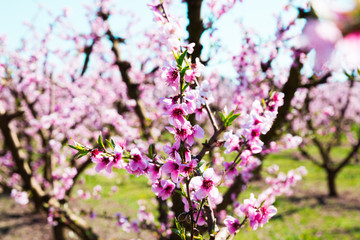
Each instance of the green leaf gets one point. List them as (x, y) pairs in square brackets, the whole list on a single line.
[(351, 75), (231, 119), (181, 58), (183, 70), (263, 103), (151, 150), (77, 146), (175, 55), (230, 114), (200, 164), (100, 141), (74, 147), (113, 143), (80, 154), (180, 192), (222, 116), (177, 224), (110, 144), (186, 85), (176, 231)]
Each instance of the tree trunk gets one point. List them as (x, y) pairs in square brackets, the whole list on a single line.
[(177, 208), (257, 173), (58, 232), (331, 176)]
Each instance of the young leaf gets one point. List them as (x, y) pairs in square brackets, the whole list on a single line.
[(176, 231), (113, 143), (80, 154), (230, 114), (100, 142), (151, 150), (74, 147), (183, 70), (177, 224), (110, 144), (186, 85), (180, 192), (181, 58), (231, 119), (200, 164), (222, 116)]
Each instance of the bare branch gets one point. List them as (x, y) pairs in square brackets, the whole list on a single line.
[(350, 155), (317, 82), (308, 156)]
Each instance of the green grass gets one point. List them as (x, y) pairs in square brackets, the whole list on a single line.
[(302, 216), (299, 217)]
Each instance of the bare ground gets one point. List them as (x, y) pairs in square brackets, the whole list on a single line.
[(18, 222)]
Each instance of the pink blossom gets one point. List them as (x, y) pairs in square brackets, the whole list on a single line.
[(322, 36), (117, 161), (137, 163), (259, 212), (177, 112), (173, 151), (154, 172), (114, 189), (197, 132), (20, 197), (232, 224), (83, 195), (123, 222), (231, 142), (206, 185), (158, 11), (188, 168), (171, 76), (190, 47), (182, 132), (163, 189), (171, 167), (101, 160), (349, 48), (145, 216)]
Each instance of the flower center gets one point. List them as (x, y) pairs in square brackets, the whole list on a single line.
[(174, 75), (137, 158), (207, 184), (178, 112)]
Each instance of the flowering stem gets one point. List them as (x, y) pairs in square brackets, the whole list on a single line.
[(191, 208), (234, 163), (210, 144), (198, 215), (211, 116)]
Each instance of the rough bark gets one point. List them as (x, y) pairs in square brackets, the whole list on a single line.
[(331, 177), (41, 200), (58, 232)]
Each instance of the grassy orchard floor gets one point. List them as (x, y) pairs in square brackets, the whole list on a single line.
[(308, 214)]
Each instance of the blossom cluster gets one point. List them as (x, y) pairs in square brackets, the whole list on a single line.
[(20, 197), (259, 211)]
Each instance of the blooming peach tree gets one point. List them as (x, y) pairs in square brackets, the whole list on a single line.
[(162, 114)]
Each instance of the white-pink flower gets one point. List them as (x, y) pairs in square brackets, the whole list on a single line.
[(206, 185)]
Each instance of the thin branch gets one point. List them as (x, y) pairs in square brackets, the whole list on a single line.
[(210, 219), (308, 156), (208, 110), (351, 154), (132, 88), (208, 145), (317, 82)]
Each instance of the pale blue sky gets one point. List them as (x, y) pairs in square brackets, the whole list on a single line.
[(255, 14)]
